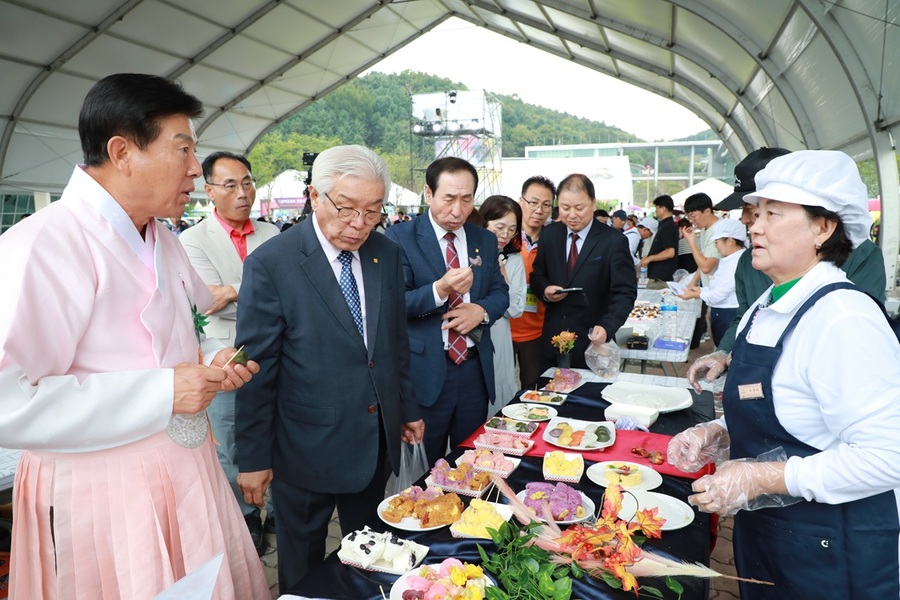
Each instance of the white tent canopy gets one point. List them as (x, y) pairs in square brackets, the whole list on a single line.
[(799, 74), (716, 189)]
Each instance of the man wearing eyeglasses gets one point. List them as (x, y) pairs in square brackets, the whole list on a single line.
[(454, 293), (217, 247), (536, 202), (322, 311)]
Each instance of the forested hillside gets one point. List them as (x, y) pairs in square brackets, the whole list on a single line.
[(375, 111)]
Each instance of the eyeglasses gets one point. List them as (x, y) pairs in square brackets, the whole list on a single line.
[(537, 204), (348, 215), (231, 187)]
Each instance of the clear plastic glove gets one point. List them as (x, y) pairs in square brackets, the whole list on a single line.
[(744, 484), (697, 446), (707, 367)]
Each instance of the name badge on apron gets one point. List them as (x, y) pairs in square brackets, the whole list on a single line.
[(750, 391)]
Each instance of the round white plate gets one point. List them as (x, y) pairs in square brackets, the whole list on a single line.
[(520, 411), (401, 586), (578, 426), (587, 503), (677, 514), (650, 479), (406, 523)]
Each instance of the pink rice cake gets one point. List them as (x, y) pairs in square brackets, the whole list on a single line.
[(493, 460), (504, 440), (565, 502)]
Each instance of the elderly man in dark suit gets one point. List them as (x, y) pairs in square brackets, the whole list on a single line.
[(323, 313), (577, 253), (454, 293)]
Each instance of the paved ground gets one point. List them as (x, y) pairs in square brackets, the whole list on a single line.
[(722, 559)]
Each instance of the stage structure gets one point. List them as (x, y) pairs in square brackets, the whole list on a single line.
[(457, 123)]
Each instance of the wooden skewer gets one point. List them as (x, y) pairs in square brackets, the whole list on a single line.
[(232, 357)]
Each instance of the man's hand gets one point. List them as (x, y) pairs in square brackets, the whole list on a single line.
[(455, 280), (254, 485), (645, 261), (412, 433), (464, 318), (550, 294), (597, 335), (195, 387), (236, 375), (222, 295), (689, 293)]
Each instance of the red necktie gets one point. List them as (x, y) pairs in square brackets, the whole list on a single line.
[(455, 341), (573, 252)]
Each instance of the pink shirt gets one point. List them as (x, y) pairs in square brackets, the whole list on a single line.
[(238, 238)]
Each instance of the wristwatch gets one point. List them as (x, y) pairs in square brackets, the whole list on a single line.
[(486, 319)]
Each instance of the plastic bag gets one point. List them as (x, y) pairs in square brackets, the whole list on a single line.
[(413, 464), (603, 360), (679, 275)]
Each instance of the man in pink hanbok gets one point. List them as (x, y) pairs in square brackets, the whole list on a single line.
[(103, 381)]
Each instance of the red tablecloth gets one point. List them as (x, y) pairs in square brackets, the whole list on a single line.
[(621, 450)]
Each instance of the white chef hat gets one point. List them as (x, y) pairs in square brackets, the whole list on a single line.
[(825, 178)]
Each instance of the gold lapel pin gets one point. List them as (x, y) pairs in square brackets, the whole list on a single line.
[(375, 260)]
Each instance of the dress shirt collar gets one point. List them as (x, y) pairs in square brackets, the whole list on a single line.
[(331, 252), (582, 235), (246, 230), (440, 232)]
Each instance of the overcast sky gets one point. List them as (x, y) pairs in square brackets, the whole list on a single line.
[(484, 60)]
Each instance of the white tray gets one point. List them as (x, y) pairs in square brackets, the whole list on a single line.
[(656, 397)]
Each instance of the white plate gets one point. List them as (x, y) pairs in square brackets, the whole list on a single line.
[(657, 397), (578, 426), (406, 523), (380, 565), (587, 503), (515, 462), (650, 479), (401, 586), (504, 510), (520, 411), (677, 514), (542, 397), (529, 425), (459, 491)]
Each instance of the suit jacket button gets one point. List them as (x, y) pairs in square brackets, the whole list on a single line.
[(371, 409), (371, 365)]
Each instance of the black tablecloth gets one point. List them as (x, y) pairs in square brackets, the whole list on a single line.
[(334, 580)]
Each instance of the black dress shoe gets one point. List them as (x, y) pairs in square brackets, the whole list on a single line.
[(269, 527), (254, 525)]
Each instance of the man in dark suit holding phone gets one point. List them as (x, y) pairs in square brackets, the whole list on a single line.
[(577, 253)]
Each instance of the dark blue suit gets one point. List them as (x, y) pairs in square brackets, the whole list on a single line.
[(433, 373), (324, 406)]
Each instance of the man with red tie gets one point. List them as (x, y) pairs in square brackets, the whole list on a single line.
[(593, 261), (454, 293)]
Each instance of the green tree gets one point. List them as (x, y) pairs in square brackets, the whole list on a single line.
[(277, 152)]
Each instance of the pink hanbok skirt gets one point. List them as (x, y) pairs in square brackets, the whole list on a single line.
[(127, 523)]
